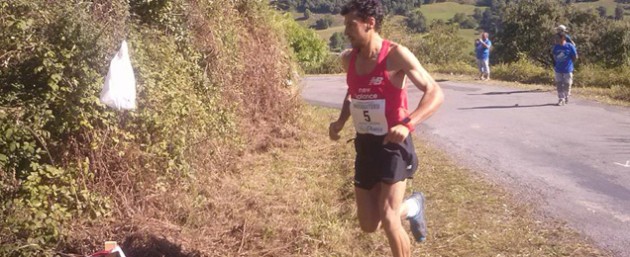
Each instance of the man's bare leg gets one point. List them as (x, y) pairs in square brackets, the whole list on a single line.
[(391, 203), (368, 208)]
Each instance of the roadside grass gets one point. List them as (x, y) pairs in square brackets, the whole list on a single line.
[(603, 95), (300, 203)]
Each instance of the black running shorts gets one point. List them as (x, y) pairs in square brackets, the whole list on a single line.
[(388, 163)]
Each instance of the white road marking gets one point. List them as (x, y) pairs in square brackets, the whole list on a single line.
[(627, 165)]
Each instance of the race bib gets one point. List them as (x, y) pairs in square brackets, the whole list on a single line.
[(369, 116)]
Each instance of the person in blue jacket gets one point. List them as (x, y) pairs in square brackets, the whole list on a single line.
[(564, 55), (482, 51)]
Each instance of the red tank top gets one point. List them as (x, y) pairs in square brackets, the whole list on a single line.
[(377, 105)]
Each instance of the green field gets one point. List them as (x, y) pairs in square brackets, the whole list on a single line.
[(446, 10), (609, 4), (325, 34)]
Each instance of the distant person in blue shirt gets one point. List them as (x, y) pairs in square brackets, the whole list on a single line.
[(482, 51), (565, 30), (564, 55)]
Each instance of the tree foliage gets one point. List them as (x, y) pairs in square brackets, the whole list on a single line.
[(464, 21), (492, 17), (416, 22), (527, 27), (337, 41), (601, 10), (324, 23), (619, 12)]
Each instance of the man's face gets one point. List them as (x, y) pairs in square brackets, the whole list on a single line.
[(559, 39), (484, 36), (356, 30)]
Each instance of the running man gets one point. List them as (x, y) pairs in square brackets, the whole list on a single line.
[(377, 70)]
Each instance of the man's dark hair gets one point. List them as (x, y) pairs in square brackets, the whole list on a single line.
[(366, 9)]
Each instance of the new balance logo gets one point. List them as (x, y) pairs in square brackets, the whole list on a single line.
[(375, 81)]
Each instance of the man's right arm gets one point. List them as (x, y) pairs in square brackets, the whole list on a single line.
[(336, 126)]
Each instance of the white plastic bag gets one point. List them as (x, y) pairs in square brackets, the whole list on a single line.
[(119, 90)]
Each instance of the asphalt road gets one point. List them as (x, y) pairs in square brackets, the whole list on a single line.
[(573, 160)]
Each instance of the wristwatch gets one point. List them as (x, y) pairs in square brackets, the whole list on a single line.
[(407, 122)]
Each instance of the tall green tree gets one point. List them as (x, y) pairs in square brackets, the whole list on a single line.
[(337, 41), (601, 10), (416, 22), (527, 28), (307, 14), (324, 23), (619, 12), (491, 21)]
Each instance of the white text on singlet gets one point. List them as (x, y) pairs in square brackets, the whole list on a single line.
[(369, 116)]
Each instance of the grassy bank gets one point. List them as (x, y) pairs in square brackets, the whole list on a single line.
[(298, 201)]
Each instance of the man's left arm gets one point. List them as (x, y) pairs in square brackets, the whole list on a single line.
[(433, 96), (574, 52)]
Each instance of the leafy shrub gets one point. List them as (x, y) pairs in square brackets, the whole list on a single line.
[(324, 23), (464, 21), (416, 22), (441, 45), (331, 65), (599, 76), (522, 70), (337, 41), (309, 50)]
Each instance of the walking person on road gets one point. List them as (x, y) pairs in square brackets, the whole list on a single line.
[(482, 51), (564, 55), (377, 70)]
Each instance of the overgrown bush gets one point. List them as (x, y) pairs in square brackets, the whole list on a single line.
[(309, 49), (598, 76), (337, 42), (73, 172), (523, 70), (441, 45), (331, 65)]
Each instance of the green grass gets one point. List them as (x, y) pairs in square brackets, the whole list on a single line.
[(325, 34), (446, 10)]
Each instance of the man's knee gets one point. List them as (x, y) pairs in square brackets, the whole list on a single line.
[(369, 227), (390, 220)]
